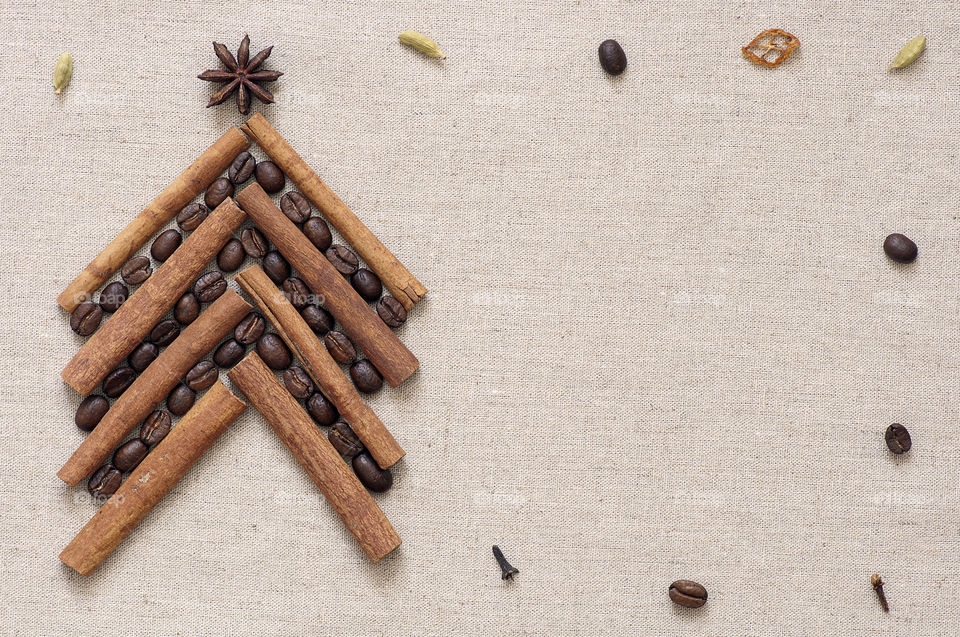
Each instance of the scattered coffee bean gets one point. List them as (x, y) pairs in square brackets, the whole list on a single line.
[(254, 243), (144, 354), (202, 376), (228, 354), (209, 287), (322, 410), (231, 256), (506, 571), (165, 244), (192, 215), (343, 259), (217, 192), (275, 266), (136, 270), (295, 206), (687, 593), (340, 347), (318, 232), (898, 438), (900, 248), (273, 351), (165, 332), (155, 428), (113, 296), (250, 328), (343, 439), (367, 284), (91, 410), (296, 292), (298, 383), (391, 311), (269, 176), (612, 58), (129, 454), (118, 380), (319, 320), (366, 377), (180, 400), (242, 168), (187, 309), (85, 319), (371, 475), (105, 481)]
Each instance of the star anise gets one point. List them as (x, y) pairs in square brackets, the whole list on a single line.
[(241, 75)]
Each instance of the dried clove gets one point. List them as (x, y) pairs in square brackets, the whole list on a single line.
[(507, 571), (878, 586)]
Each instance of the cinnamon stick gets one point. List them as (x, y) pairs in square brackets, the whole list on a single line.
[(154, 384), (130, 324), (153, 478), (368, 331), (398, 280), (194, 180), (313, 451), (316, 360)]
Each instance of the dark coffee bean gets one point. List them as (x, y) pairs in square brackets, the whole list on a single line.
[(217, 192), (136, 270), (273, 351), (318, 232), (192, 215), (296, 292), (228, 354), (276, 267), (391, 311), (298, 383), (295, 206), (242, 168), (343, 439), (113, 296), (269, 176), (231, 256), (143, 355), (319, 320), (366, 377), (254, 243), (343, 259), (180, 400), (898, 438), (118, 380), (91, 410), (105, 481), (165, 332), (165, 244), (900, 248), (187, 309), (129, 454), (250, 328), (85, 319), (612, 58), (155, 428), (371, 475), (687, 593), (209, 287), (322, 410), (367, 284), (340, 347), (202, 376)]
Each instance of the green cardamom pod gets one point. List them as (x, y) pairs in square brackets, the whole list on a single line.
[(422, 43), (62, 72), (909, 54)]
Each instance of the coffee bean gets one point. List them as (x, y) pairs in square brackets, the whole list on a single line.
[(155, 428), (113, 296), (340, 347), (612, 58), (276, 267), (192, 215), (85, 319), (371, 475), (391, 311), (269, 176), (366, 377), (250, 328), (898, 438), (231, 256), (273, 351), (91, 411), (217, 192), (136, 270), (180, 400), (254, 243), (129, 454), (242, 168), (165, 332), (187, 309), (900, 248), (318, 232), (322, 410), (144, 354), (209, 287), (165, 244), (296, 292), (105, 481), (367, 284), (118, 380), (343, 439), (202, 376), (228, 354), (319, 320), (298, 383), (687, 593), (343, 259), (295, 206)]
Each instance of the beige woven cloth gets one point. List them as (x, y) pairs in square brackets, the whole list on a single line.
[(661, 339)]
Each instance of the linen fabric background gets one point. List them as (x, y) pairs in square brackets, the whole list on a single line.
[(661, 339)]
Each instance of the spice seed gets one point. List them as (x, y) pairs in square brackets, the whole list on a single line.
[(422, 43), (909, 54)]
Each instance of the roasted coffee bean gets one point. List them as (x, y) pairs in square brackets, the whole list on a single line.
[(118, 380), (129, 454), (209, 287), (371, 475), (273, 351), (105, 481), (898, 438), (900, 248), (318, 232), (228, 354), (85, 319), (165, 332), (187, 309), (202, 376), (296, 292), (298, 383), (250, 328), (242, 168), (91, 410), (295, 206), (217, 192), (391, 311), (144, 354), (136, 270), (322, 410), (319, 320), (180, 400), (276, 267), (366, 377), (340, 347), (367, 284), (269, 176), (113, 296), (612, 58), (343, 439), (343, 259), (254, 243), (155, 428), (687, 593), (231, 256), (165, 244), (192, 215)]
